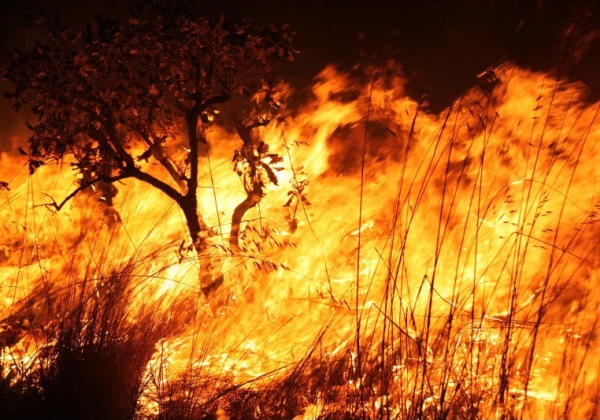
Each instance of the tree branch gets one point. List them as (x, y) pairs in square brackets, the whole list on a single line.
[(219, 99), (155, 149), (111, 131), (168, 165), (107, 179), (137, 173), (128, 173)]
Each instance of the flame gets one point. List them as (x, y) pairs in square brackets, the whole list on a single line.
[(455, 252)]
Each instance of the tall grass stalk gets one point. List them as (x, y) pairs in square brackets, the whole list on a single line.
[(499, 302)]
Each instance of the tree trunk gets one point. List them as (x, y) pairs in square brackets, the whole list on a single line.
[(236, 219), (211, 276)]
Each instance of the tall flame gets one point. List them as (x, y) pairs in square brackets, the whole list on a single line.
[(436, 261)]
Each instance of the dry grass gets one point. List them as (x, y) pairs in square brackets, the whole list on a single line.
[(464, 338)]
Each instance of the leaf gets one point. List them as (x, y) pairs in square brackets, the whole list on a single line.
[(146, 155), (275, 158), (270, 173), (262, 148), (34, 164), (23, 152)]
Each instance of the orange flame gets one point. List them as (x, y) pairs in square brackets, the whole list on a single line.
[(469, 277)]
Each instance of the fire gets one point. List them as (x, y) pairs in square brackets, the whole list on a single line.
[(466, 287)]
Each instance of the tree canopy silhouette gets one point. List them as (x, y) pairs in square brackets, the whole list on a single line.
[(117, 93)]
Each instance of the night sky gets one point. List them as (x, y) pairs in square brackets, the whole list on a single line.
[(441, 44)]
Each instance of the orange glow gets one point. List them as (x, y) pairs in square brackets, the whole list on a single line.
[(479, 256)]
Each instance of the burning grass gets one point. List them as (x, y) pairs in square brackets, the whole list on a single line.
[(458, 284)]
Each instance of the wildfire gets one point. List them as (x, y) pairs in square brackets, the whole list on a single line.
[(466, 287)]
